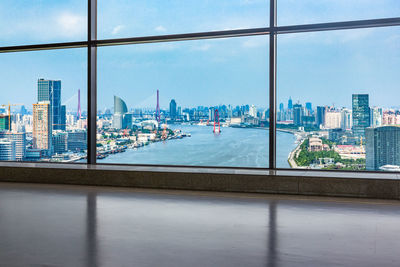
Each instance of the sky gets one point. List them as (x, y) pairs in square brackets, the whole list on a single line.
[(324, 68)]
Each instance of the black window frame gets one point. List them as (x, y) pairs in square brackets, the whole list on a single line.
[(273, 30)]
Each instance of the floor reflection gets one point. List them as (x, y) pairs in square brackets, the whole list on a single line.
[(272, 235), (42, 225), (91, 229)]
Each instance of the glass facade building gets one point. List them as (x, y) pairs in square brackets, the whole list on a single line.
[(120, 109), (49, 90), (383, 148), (172, 109), (361, 114), (20, 143), (7, 149), (4, 122)]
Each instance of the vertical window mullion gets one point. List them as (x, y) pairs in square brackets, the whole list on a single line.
[(272, 86), (92, 81)]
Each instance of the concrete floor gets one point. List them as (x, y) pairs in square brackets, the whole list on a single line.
[(50, 225)]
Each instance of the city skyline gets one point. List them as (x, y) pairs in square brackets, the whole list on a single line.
[(327, 137)]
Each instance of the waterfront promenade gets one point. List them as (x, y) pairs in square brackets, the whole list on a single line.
[(294, 154)]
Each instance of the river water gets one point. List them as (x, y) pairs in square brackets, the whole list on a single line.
[(233, 147)]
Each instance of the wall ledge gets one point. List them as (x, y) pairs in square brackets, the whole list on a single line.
[(297, 182)]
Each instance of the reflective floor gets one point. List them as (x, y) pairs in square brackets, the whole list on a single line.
[(50, 225)]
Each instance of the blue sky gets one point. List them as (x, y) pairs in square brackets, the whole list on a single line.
[(324, 68)]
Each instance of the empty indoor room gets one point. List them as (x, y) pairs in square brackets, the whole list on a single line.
[(200, 133)]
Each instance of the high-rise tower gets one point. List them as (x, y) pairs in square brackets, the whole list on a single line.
[(120, 109), (321, 112), (50, 90), (297, 114), (361, 114), (290, 103), (383, 147), (42, 126), (172, 109)]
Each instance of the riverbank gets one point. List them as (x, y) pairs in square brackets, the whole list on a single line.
[(294, 154), (141, 140)]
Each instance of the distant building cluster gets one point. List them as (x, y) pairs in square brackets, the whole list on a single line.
[(240, 116), (47, 133), (361, 130)]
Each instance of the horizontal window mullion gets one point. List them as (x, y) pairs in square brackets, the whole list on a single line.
[(36, 47), (184, 37), (343, 25), (210, 35)]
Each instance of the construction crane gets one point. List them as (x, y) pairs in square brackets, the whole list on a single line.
[(9, 112)]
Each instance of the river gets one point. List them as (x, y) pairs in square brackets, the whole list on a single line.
[(233, 147)]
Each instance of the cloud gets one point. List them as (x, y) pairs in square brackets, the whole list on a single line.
[(70, 24), (117, 29), (160, 28), (55, 27)]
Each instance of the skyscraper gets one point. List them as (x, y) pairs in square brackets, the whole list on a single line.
[(361, 114), (290, 103), (253, 111), (309, 108), (42, 126), (321, 111), (172, 109), (63, 123), (120, 109), (297, 114), (23, 110), (281, 113), (7, 149), (77, 141), (383, 147), (4, 122), (376, 117), (346, 121), (127, 121), (332, 119), (20, 143), (59, 142), (50, 90)]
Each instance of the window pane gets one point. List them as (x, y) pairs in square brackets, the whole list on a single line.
[(39, 103), (45, 21), (338, 93), (125, 18), (291, 12), (199, 84)]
